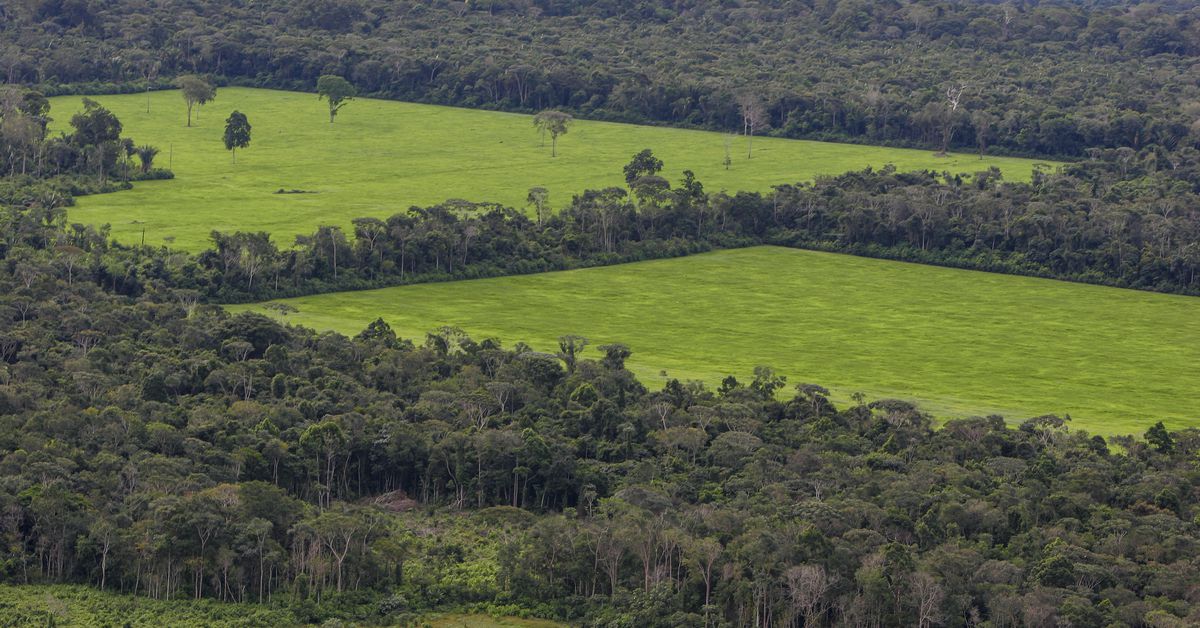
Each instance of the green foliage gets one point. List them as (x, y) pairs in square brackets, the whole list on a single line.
[(196, 91), (1055, 569), (237, 132), (502, 156), (908, 215), (146, 447), (643, 164), (154, 444), (555, 123), (95, 125), (1062, 76), (146, 154), (62, 605), (337, 90), (1160, 438), (30, 156)]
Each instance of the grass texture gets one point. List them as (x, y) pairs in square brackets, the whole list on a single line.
[(382, 157), (958, 342)]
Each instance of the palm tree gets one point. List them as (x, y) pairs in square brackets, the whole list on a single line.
[(146, 154)]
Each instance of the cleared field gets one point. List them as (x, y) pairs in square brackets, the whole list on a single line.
[(381, 157), (958, 342)]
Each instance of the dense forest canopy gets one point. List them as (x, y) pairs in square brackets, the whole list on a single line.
[(153, 444), (1053, 77), (162, 447)]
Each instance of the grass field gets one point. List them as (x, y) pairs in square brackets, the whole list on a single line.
[(958, 342), (381, 157)]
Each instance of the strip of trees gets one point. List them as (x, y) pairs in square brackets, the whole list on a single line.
[(1121, 218)]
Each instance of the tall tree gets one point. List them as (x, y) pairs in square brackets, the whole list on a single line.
[(539, 198), (237, 133), (951, 115), (337, 90), (95, 125), (196, 91), (984, 124), (555, 123), (569, 348), (148, 68), (754, 117)]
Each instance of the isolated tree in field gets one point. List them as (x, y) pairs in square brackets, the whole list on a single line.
[(555, 123), (146, 154), (539, 199), (337, 90), (237, 133), (196, 91), (754, 117), (643, 164)]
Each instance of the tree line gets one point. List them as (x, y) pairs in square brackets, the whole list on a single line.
[(1050, 78), (1119, 218)]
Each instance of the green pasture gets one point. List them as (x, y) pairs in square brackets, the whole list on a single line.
[(381, 157), (957, 342)]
